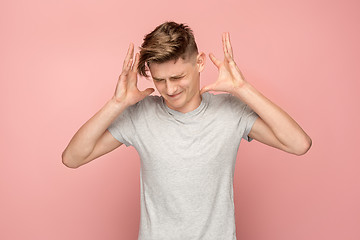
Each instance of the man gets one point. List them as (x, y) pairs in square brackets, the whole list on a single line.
[(188, 138)]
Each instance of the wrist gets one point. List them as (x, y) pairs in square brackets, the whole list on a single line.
[(242, 90), (117, 105)]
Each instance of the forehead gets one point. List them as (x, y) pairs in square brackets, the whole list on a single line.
[(171, 68)]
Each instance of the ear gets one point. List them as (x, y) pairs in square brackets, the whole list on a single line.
[(200, 61)]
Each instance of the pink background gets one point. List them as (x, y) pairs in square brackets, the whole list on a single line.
[(59, 65)]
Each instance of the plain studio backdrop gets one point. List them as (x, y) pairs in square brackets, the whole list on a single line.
[(59, 64)]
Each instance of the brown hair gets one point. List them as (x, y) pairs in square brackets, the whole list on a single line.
[(168, 41)]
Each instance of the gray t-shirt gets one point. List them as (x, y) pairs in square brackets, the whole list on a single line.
[(187, 165)]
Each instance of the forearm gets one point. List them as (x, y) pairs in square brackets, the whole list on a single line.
[(286, 130), (84, 140)]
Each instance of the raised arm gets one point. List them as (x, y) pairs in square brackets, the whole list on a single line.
[(274, 126), (93, 139)]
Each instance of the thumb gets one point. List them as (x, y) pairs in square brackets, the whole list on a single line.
[(206, 88), (215, 60), (148, 91)]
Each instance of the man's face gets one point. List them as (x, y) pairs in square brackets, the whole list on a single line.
[(178, 82)]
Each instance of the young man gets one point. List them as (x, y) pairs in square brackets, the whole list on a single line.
[(188, 138)]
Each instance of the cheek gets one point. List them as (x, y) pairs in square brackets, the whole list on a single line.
[(158, 86), (186, 83), (192, 83)]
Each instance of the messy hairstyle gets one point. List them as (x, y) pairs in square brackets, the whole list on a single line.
[(168, 41)]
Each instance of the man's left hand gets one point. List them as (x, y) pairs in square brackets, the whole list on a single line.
[(230, 78)]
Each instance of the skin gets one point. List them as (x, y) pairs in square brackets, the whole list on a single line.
[(274, 126), (179, 84), (93, 139)]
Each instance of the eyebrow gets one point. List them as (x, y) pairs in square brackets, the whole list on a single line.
[(172, 77)]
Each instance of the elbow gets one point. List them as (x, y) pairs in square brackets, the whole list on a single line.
[(66, 160), (303, 147)]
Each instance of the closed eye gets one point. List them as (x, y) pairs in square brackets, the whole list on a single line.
[(171, 78), (177, 77), (158, 80)]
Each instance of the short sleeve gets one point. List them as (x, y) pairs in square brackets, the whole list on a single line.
[(245, 116), (123, 128), (249, 119)]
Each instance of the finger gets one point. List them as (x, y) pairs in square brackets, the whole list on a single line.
[(148, 91), (127, 68), (207, 88), (215, 60), (228, 45), (203, 90), (129, 55), (223, 43), (228, 57), (135, 66)]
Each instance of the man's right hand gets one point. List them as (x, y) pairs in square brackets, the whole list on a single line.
[(93, 139), (127, 91)]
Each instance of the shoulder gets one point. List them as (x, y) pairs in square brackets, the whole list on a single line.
[(148, 104), (226, 104), (140, 111), (152, 99), (222, 99)]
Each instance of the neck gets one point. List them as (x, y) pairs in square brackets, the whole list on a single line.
[(190, 106)]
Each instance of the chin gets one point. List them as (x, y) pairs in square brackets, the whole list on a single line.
[(177, 106)]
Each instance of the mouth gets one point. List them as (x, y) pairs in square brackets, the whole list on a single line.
[(174, 95)]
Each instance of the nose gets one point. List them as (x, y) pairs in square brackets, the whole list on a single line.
[(171, 87)]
